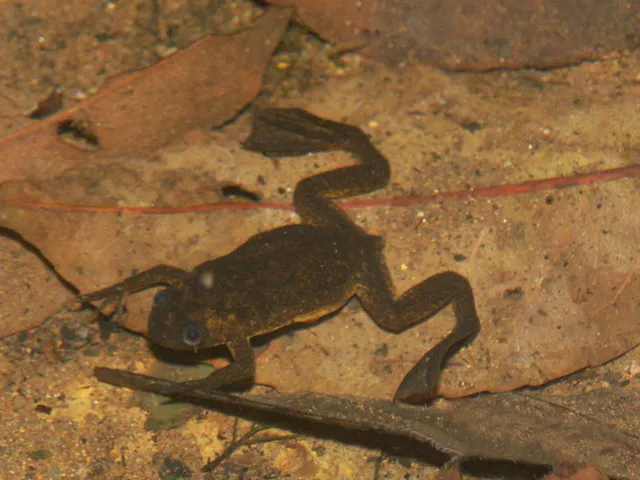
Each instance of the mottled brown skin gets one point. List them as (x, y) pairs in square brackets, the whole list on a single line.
[(302, 272)]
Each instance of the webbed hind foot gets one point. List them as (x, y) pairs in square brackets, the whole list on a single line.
[(291, 132)]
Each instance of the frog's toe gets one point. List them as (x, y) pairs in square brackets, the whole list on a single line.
[(421, 383), (415, 396)]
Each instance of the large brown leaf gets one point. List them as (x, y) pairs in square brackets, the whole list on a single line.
[(471, 35), (136, 113)]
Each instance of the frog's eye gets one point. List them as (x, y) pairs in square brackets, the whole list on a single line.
[(192, 335)]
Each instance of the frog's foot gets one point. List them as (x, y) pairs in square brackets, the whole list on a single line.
[(291, 132), (420, 385), (415, 397)]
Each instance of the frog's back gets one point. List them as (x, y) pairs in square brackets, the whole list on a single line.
[(293, 273), (305, 243)]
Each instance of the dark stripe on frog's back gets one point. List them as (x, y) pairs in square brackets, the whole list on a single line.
[(296, 272)]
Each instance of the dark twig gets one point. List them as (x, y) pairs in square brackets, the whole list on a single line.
[(245, 441)]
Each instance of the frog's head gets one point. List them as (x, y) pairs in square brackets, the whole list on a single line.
[(177, 324)]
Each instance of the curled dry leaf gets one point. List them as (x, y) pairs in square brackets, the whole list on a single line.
[(136, 113)]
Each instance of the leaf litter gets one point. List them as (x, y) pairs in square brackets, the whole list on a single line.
[(556, 274), (510, 244)]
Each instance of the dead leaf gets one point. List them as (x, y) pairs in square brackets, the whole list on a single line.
[(505, 428), (136, 113), (467, 35), (570, 255), (342, 22), (30, 292)]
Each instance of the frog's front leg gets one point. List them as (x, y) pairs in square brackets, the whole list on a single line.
[(416, 305), (158, 275), (241, 370)]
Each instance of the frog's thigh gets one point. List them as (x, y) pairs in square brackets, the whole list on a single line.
[(416, 305), (419, 303)]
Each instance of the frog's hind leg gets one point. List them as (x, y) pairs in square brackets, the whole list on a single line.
[(295, 132), (416, 305), (291, 132)]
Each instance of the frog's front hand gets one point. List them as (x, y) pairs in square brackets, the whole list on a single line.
[(81, 302), (117, 297), (109, 295), (241, 371)]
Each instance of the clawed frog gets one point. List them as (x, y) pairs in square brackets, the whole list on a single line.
[(300, 273)]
